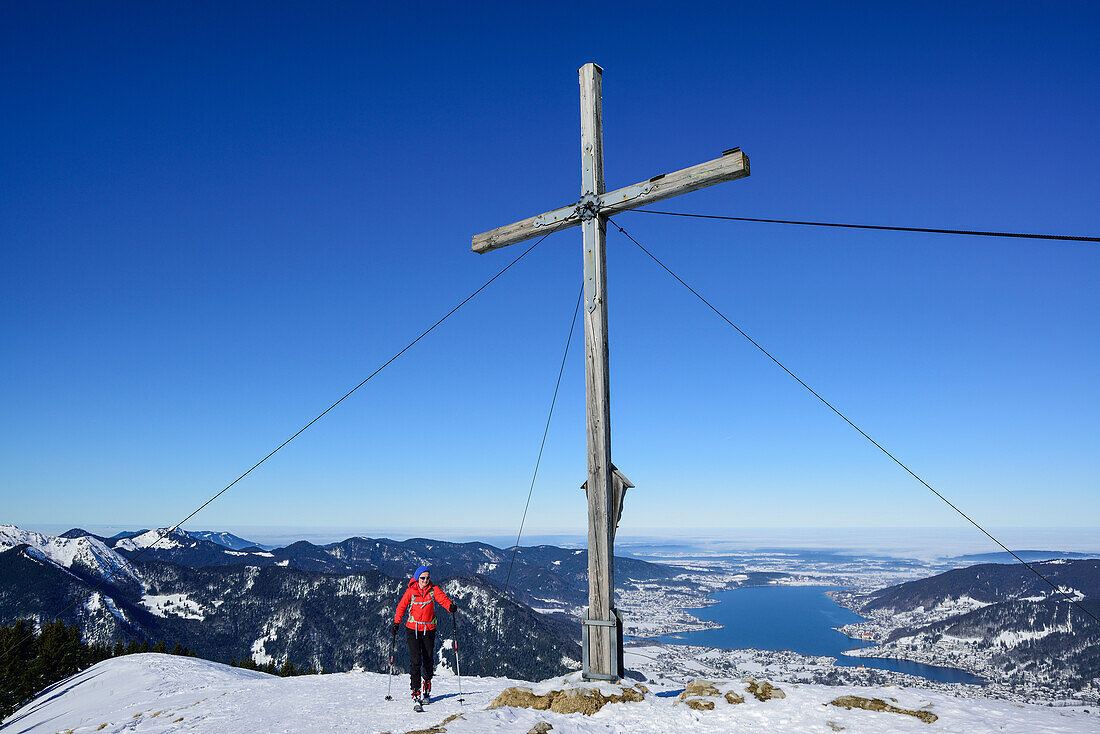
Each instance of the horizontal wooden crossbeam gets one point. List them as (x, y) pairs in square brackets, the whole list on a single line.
[(730, 167)]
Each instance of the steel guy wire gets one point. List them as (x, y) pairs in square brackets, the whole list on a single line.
[(161, 535), (1068, 237), (829, 405), (545, 431)]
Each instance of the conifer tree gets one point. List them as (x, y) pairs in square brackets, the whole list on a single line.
[(15, 680)]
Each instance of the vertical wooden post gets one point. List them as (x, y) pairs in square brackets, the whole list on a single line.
[(603, 644), (602, 630)]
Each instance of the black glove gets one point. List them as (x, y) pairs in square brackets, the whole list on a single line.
[(396, 627)]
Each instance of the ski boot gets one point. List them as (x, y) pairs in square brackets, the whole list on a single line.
[(417, 707), (426, 698)]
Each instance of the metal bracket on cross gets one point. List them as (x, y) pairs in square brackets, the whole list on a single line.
[(621, 196), (617, 665), (555, 217), (588, 207)]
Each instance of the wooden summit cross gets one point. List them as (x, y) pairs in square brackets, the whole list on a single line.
[(602, 639)]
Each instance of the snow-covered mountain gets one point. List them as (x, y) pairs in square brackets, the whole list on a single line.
[(162, 539), (1017, 641), (186, 549), (338, 621), (256, 607), (989, 583), (85, 555), (998, 621), (166, 539), (229, 540), (163, 693), (540, 572)]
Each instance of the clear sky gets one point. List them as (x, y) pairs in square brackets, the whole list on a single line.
[(216, 218)]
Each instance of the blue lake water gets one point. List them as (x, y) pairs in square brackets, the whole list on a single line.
[(796, 618)]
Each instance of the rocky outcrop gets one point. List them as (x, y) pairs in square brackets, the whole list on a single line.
[(877, 704), (763, 690), (440, 728), (699, 687), (697, 694), (569, 700)]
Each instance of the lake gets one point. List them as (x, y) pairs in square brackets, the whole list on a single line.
[(796, 618)]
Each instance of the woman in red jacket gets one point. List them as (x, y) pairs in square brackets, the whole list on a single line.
[(420, 600)]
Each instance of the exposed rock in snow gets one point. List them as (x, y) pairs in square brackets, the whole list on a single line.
[(764, 691), (877, 704), (569, 695), (700, 691)]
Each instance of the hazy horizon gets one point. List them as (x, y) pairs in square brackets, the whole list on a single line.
[(913, 542)]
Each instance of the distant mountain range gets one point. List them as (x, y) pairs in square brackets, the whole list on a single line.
[(328, 606), (227, 540), (1027, 555), (540, 573)]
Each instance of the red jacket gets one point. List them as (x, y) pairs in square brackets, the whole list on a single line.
[(421, 604)]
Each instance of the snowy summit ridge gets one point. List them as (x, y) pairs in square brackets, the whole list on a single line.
[(161, 693), (87, 554), (164, 538)]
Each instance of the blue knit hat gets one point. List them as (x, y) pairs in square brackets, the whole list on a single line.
[(421, 570)]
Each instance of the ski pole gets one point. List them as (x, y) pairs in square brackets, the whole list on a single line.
[(389, 680), (458, 667)]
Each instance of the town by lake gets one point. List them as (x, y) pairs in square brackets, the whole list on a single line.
[(796, 618)]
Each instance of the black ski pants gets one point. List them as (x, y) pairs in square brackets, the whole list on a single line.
[(421, 654)]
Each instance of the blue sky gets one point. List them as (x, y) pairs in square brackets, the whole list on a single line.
[(218, 217)]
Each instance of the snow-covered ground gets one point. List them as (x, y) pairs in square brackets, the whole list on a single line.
[(179, 605), (164, 693)]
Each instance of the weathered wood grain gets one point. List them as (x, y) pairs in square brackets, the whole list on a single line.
[(601, 571), (510, 234), (729, 167)]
